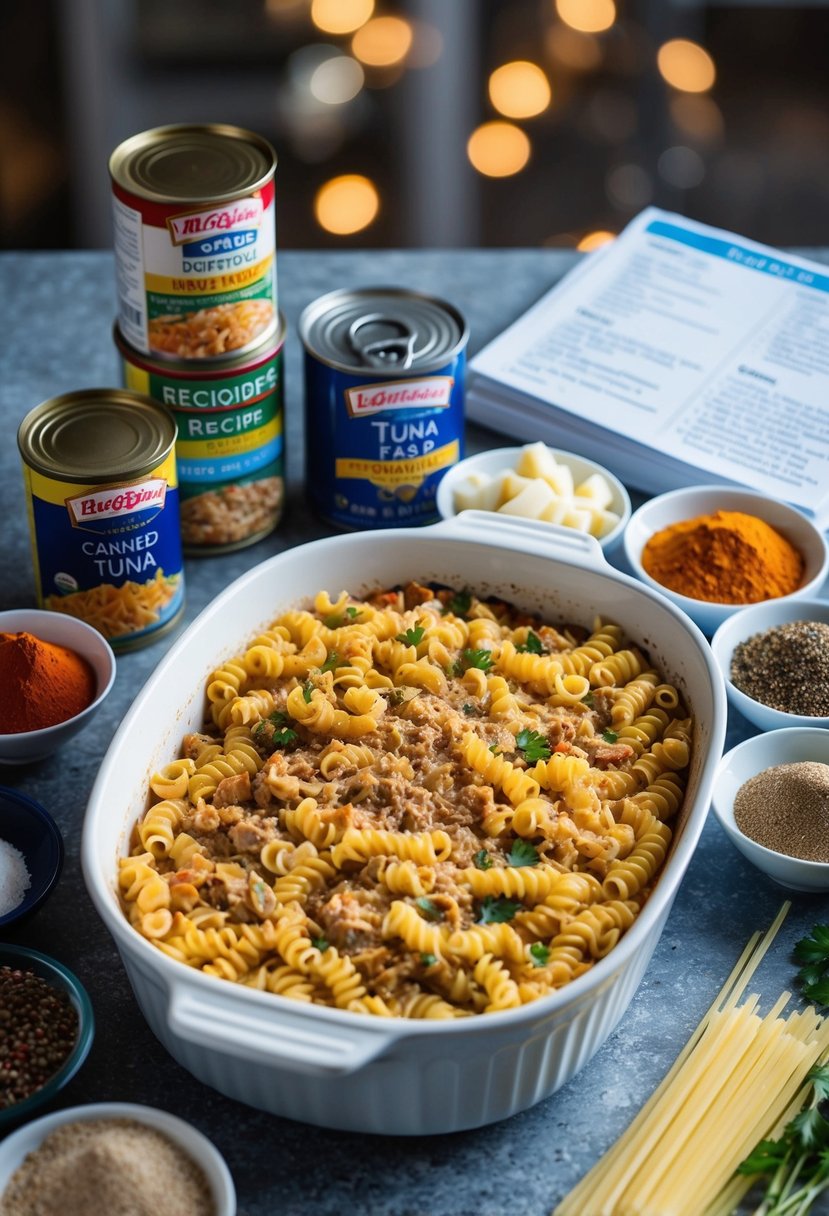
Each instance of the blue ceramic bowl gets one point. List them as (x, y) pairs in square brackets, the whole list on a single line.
[(62, 980), (31, 830)]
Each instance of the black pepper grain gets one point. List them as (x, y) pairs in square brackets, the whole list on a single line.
[(786, 808), (38, 1029), (786, 668)]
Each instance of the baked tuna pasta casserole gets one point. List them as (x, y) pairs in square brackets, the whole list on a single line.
[(420, 804)]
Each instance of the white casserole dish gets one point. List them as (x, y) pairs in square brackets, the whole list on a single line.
[(330, 1067)]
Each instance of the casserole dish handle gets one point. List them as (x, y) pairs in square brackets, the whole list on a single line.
[(290, 1039), (527, 535)]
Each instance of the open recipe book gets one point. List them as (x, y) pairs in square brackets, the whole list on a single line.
[(677, 354)]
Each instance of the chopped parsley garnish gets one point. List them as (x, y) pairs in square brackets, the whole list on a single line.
[(539, 953), (482, 659), (609, 736), (482, 860), (496, 909), (319, 943), (331, 662), (532, 645), (587, 699), (284, 737), (307, 691), (494, 748), (523, 853), (459, 604), (338, 618), (533, 745), (430, 910), (412, 637), (428, 960), (276, 719), (469, 709)]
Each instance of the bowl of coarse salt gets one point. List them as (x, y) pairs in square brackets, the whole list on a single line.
[(31, 855), (771, 798)]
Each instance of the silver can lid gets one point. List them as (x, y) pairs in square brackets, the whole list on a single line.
[(382, 330)]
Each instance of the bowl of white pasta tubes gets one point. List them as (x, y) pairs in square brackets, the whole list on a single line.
[(406, 812)]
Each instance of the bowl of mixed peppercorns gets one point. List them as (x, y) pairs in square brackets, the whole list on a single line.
[(46, 1030), (775, 660)]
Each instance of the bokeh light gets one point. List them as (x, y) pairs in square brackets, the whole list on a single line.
[(337, 80), (629, 186), (427, 45), (593, 240), (346, 204), (341, 16), (681, 167), (611, 116), (686, 65), (698, 118), (588, 16), (382, 42), (498, 149), (569, 49), (519, 89)]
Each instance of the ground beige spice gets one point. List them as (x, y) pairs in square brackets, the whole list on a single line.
[(786, 808), (114, 1166)]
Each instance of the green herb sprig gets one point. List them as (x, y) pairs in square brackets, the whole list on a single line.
[(523, 853), (412, 637), (532, 645), (482, 659), (797, 1163), (459, 604), (813, 954), (533, 745), (497, 909)]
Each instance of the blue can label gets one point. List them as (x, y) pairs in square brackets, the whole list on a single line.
[(375, 459), (110, 555)]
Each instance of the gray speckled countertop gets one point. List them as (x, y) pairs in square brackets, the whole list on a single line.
[(55, 315)]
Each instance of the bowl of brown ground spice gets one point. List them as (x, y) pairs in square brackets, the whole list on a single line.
[(771, 798), (117, 1158), (714, 549)]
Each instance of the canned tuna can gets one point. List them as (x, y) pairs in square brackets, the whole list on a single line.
[(100, 473), (195, 240), (229, 449), (384, 376)]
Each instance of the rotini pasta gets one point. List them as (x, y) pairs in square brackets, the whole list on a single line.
[(416, 805)]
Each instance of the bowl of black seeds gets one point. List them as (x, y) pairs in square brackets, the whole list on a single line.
[(771, 798), (774, 657), (46, 1030)]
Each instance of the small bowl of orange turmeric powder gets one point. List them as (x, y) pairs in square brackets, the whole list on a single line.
[(55, 672), (714, 549)]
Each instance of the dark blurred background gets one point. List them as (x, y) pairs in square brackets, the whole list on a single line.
[(431, 123)]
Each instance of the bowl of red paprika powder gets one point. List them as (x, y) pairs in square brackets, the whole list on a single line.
[(55, 672), (714, 549)]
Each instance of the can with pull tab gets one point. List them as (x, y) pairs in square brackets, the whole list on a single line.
[(384, 380)]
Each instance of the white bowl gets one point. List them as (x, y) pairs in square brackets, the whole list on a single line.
[(679, 505), (498, 459), (16, 1146), (30, 745), (332, 1067), (748, 759), (757, 618)]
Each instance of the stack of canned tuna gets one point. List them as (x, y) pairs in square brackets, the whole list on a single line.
[(190, 451)]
